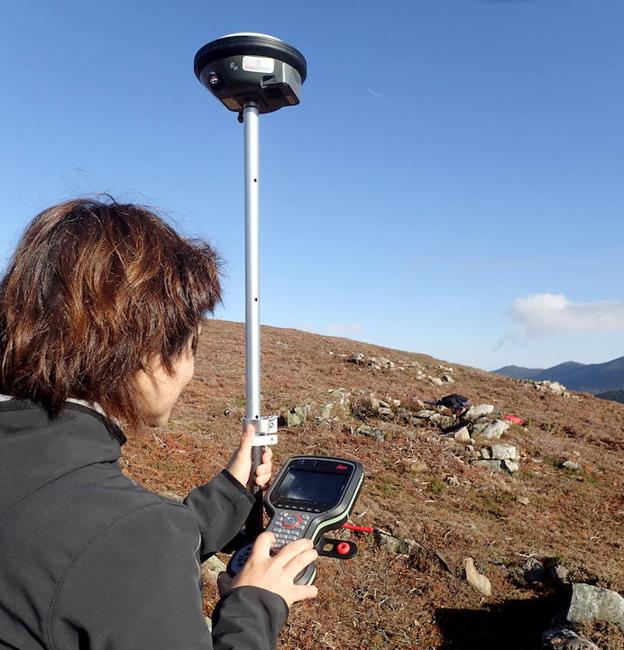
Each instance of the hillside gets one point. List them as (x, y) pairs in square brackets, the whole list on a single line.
[(588, 377), (421, 486)]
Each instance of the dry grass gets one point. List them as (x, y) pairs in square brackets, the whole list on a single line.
[(379, 600)]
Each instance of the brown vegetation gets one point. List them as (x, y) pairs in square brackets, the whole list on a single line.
[(380, 600)]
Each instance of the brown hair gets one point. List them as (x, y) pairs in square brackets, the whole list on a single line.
[(93, 290)]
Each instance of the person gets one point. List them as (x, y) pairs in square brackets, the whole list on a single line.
[(100, 314)]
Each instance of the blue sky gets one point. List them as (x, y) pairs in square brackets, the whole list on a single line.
[(450, 184)]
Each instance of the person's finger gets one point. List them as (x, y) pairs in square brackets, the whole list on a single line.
[(263, 544), (262, 479), (247, 439), (301, 561), (267, 455), (304, 592), (288, 552)]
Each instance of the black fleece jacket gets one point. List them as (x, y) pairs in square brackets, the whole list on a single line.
[(89, 560)]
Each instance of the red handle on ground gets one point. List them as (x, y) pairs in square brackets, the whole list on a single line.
[(359, 529)]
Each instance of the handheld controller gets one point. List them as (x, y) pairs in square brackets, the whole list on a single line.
[(310, 496)]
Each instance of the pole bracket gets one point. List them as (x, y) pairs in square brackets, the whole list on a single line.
[(266, 430)]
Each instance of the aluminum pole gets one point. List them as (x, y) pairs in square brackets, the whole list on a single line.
[(253, 411)]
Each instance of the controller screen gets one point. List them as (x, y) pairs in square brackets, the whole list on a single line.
[(300, 485)]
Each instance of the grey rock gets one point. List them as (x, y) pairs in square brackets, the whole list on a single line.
[(523, 500), (436, 381), (340, 395), (534, 570), (561, 638), (211, 569), (384, 362), (386, 413), (462, 435), (444, 421), (486, 453), (495, 430), (489, 464), (447, 379), (590, 603), (357, 358), (560, 573), (511, 466), (394, 544), (475, 579), (297, 415), (326, 411), (168, 494), (371, 432), (570, 465), (396, 402), (384, 404), (478, 411), (504, 451), (424, 414), (453, 481)]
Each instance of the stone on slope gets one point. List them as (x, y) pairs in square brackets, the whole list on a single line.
[(494, 430), (371, 432), (590, 603), (477, 580), (297, 415), (394, 544), (462, 435), (478, 411), (504, 451), (561, 638), (357, 358)]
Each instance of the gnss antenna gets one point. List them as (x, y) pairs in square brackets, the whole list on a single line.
[(252, 74)]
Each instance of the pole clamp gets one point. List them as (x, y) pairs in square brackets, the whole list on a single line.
[(266, 430)]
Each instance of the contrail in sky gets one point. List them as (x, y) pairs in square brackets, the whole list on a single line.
[(379, 96)]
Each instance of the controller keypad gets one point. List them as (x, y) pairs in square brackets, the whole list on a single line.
[(288, 527)]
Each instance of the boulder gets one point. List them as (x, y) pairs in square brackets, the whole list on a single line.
[(478, 411), (357, 358), (494, 430), (326, 411), (297, 415), (561, 638), (371, 432), (504, 451), (475, 579), (445, 422), (340, 395), (489, 464), (590, 603), (211, 568), (394, 544), (510, 465), (384, 362), (462, 435)]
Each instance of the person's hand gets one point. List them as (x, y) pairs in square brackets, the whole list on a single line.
[(240, 464), (276, 573)]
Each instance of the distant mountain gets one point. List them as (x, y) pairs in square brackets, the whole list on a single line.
[(613, 395), (590, 377)]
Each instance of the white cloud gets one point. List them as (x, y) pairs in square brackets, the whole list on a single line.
[(344, 329), (547, 313)]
